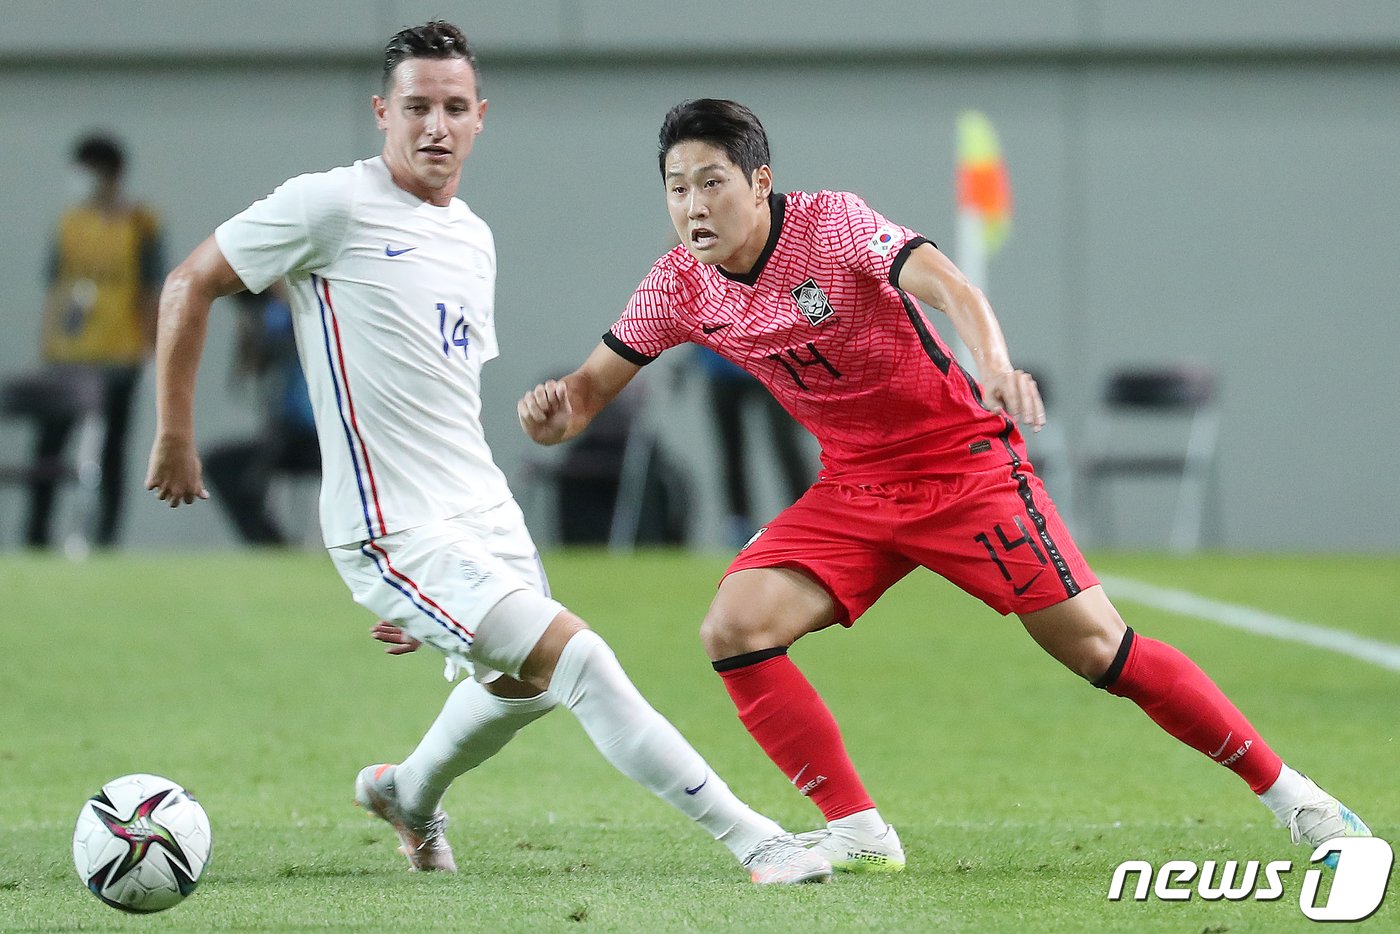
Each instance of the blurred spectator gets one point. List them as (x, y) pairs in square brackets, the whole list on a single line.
[(732, 392), (105, 272), (240, 473)]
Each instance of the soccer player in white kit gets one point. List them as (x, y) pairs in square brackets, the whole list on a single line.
[(392, 280)]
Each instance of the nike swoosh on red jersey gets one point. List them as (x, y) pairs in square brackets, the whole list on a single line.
[(1018, 591)]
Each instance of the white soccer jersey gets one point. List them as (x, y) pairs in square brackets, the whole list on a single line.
[(393, 304)]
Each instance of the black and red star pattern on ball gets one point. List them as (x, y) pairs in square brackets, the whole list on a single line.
[(140, 833)]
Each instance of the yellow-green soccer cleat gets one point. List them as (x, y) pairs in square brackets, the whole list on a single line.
[(850, 851)]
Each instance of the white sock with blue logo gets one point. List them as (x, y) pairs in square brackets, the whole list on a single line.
[(644, 746)]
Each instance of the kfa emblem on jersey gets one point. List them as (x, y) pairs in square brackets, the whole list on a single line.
[(812, 302)]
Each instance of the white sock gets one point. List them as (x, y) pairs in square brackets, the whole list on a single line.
[(644, 746), (473, 726), (1290, 790), (867, 822)]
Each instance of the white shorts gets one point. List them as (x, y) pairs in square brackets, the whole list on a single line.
[(438, 581)]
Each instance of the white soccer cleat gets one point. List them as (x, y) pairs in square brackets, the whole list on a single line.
[(781, 860), (423, 841), (1322, 817), (849, 851)]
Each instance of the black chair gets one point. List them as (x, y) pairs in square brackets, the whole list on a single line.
[(1159, 421), (614, 484)]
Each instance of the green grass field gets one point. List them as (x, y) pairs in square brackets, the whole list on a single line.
[(251, 679)]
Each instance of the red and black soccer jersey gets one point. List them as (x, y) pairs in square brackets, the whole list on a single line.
[(821, 323)]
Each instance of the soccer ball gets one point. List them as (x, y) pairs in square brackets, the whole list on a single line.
[(141, 843)]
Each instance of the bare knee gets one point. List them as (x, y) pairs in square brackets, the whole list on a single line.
[(506, 686), (1095, 653), (728, 631), (1083, 633), (763, 608), (538, 669)]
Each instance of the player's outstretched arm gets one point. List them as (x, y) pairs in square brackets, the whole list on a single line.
[(190, 289), (934, 280), (558, 409)]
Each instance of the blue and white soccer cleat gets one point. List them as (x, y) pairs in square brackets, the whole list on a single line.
[(1322, 817), (424, 840)]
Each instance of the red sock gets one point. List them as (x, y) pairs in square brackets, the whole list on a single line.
[(1182, 700), (787, 717)]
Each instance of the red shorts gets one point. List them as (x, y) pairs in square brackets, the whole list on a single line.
[(995, 534)]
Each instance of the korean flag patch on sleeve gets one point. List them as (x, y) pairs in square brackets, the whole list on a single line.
[(886, 238)]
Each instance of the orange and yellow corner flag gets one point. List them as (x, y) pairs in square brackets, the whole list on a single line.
[(984, 187)]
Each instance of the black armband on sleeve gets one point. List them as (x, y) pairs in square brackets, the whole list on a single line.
[(899, 258), (634, 357)]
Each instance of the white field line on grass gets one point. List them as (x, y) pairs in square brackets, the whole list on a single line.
[(1185, 603)]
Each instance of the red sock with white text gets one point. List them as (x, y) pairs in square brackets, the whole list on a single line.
[(787, 717), (1184, 701)]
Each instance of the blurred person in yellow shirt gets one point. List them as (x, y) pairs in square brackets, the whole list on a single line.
[(105, 272)]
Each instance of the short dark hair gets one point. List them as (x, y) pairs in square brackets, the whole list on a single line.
[(726, 125), (101, 153), (436, 39)]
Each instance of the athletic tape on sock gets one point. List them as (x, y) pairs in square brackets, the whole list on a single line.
[(748, 658), (1106, 679)]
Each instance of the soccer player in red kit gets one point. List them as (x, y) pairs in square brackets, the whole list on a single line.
[(922, 465)]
